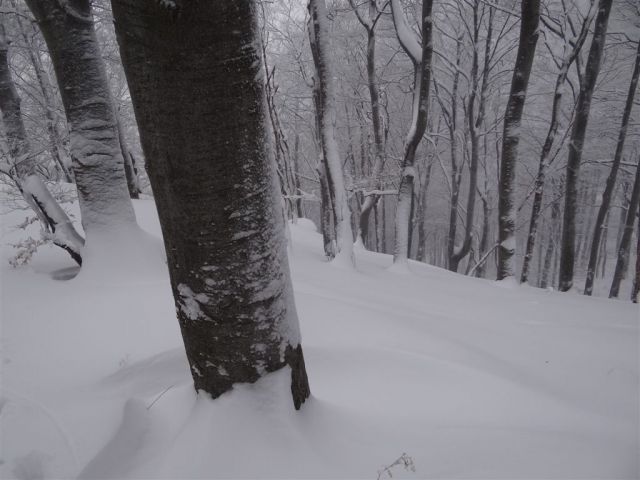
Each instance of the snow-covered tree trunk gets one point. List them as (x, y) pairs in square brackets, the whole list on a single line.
[(97, 162), (607, 195), (195, 76), (625, 243), (529, 18), (320, 47), (576, 143), (420, 54), (23, 171)]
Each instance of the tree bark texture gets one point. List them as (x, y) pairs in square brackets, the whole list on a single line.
[(195, 75)]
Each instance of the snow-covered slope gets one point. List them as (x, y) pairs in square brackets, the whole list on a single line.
[(471, 378)]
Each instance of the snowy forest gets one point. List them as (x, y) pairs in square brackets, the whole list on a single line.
[(319, 239)]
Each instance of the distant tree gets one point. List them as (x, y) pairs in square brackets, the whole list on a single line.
[(625, 242), (97, 161), (529, 18), (420, 54), (195, 75), (327, 116), (607, 195), (22, 167), (576, 144)]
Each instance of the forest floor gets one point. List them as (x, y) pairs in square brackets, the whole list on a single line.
[(470, 378)]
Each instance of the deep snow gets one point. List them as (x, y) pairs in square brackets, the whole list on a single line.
[(471, 378)]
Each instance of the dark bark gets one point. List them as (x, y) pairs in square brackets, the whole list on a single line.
[(625, 242), (576, 143), (529, 19), (607, 195), (97, 161), (194, 72)]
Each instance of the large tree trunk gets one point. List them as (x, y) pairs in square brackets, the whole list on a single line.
[(98, 165), (511, 137), (33, 189), (625, 242), (607, 195), (576, 143), (194, 71), (133, 184), (420, 54), (319, 40), (545, 154)]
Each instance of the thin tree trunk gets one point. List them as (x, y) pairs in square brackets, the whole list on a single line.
[(203, 129), (511, 137), (567, 257), (33, 189), (625, 242), (607, 195), (319, 40)]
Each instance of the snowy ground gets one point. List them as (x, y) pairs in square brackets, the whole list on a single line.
[(471, 378)]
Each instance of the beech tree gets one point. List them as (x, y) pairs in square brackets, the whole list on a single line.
[(195, 75), (576, 143), (529, 18), (22, 169), (98, 165)]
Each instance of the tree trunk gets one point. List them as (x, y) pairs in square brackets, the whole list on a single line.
[(319, 41), (98, 165), (378, 147), (611, 179), (576, 143), (511, 137), (194, 72), (421, 55), (635, 291), (33, 189), (625, 242)]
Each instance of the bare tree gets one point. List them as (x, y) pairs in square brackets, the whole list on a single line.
[(625, 243), (576, 143), (574, 47), (97, 160), (611, 179), (23, 168), (529, 18), (195, 74), (326, 112), (420, 54)]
